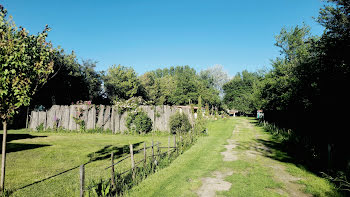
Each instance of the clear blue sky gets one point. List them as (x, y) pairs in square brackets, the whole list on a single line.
[(152, 34)]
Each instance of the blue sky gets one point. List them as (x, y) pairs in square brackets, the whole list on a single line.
[(152, 34)]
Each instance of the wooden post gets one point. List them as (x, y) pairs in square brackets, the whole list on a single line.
[(181, 142), (175, 142), (144, 154), (112, 177), (158, 151), (132, 161), (169, 146), (152, 151), (82, 180)]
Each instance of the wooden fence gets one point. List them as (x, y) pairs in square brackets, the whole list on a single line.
[(101, 116), (176, 147)]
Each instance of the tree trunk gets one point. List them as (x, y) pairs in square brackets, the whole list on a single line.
[(3, 156)]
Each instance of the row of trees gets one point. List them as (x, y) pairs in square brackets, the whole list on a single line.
[(306, 88), (74, 81)]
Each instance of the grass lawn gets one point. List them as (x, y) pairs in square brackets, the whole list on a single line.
[(259, 170), (252, 175), (47, 164)]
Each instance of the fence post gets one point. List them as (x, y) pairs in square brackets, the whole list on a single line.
[(132, 161), (169, 146), (113, 178), (82, 180), (158, 151), (181, 143), (175, 143), (152, 151), (144, 154)]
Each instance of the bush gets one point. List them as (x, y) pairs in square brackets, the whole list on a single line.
[(139, 122), (179, 123)]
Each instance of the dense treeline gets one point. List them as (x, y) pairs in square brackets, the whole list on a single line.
[(306, 89)]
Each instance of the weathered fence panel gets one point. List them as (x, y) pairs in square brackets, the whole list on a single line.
[(105, 117), (42, 118), (72, 113), (101, 111), (65, 117), (91, 118), (34, 120)]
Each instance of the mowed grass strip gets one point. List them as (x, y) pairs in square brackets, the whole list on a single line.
[(47, 164), (251, 176), (183, 176)]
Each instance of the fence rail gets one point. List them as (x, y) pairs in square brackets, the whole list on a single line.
[(151, 159)]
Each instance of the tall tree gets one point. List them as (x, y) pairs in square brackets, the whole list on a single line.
[(216, 77), (25, 65), (71, 81), (121, 82), (239, 92)]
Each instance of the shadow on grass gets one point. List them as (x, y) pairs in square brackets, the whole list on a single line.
[(283, 151), (101, 154), (11, 137), (105, 152), (15, 147)]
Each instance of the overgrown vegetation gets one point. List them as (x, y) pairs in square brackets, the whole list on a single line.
[(304, 89)]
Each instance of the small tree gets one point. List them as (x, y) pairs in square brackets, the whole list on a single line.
[(25, 64)]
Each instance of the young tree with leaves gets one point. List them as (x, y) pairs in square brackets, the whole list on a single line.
[(25, 65)]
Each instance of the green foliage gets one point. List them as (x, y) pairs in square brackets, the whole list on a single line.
[(121, 82), (40, 127), (311, 76), (239, 92), (179, 123), (25, 65), (101, 188), (138, 121), (128, 105), (70, 81), (176, 86)]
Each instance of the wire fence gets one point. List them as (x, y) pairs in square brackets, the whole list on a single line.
[(128, 171)]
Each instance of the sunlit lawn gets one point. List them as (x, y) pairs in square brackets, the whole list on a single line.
[(35, 161)]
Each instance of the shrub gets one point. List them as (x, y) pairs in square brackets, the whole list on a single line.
[(139, 122), (179, 123)]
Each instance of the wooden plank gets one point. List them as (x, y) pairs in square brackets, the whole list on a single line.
[(34, 120), (82, 180), (107, 118), (112, 171), (101, 110), (132, 161), (72, 113)]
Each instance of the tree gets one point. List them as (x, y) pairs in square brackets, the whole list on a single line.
[(25, 65), (71, 81), (176, 86), (216, 77), (239, 92), (121, 82)]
